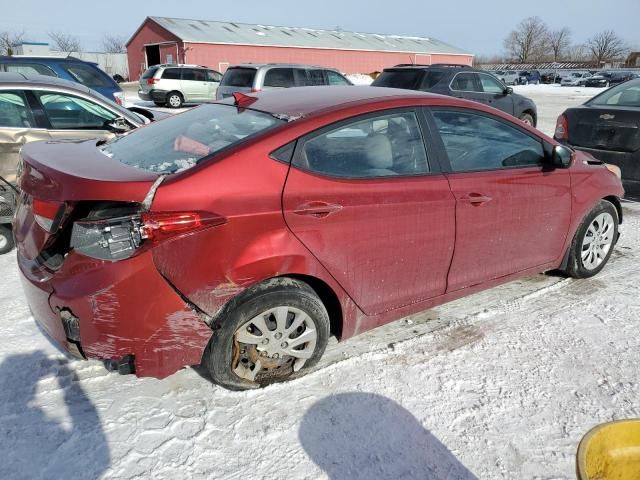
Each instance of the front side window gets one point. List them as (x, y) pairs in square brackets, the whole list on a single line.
[(624, 95), (14, 110), (30, 69), (490, 84), (479, 142), (464, 82), (91, 77), (213, 76), (378, 146), (279, 77), (68, 112), (336, 79), (179, 142)]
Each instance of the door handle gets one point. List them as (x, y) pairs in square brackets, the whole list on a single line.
[(317, 209), (476, 199)]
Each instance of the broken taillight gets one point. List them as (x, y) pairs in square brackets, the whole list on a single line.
[(47, 213), (122, 237)]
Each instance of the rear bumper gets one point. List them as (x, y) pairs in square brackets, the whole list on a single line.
[(629, 162), (153, 95), (122, 309)]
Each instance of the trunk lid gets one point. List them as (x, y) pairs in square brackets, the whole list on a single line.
[(604, 128), (73, 174)]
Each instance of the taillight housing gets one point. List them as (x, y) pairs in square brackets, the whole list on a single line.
[(119, 238), (152, 81), (119, 98), (47, 214), (562, 128)]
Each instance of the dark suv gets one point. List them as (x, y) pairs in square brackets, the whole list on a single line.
[(462, 82)]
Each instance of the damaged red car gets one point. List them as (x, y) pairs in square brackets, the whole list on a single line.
[(241, 235)]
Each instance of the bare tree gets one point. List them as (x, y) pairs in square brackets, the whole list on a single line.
[(64, 42), (559, 42), (114, 44), (527, 42), (606, 46), (9, 41)]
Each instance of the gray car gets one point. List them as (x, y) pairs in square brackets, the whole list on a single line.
[(174, 85), (253, 77)]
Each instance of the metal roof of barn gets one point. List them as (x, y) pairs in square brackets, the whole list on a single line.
[(234, 33)]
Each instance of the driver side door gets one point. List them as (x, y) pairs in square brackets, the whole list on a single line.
[(512, 213), (74, 117)]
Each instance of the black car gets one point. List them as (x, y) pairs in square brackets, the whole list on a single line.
[(462, 82), (608, 79), (607, 127)]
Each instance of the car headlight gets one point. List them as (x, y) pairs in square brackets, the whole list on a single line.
[(614, 169)]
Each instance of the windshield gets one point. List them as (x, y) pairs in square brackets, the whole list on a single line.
[(623, 95), (179, 142)]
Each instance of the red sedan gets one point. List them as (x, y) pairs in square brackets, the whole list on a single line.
[(243, 234)]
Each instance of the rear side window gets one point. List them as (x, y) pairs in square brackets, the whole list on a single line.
[(479, 142), (194, 74), (89, 76), (408, 78), (179, 142), (30, 69), (149, 73), (465, 82), (213, 76), (238, 77), (316, 77), (431, 79), (377, 146), (336, 79), (68, 112), (279, 77), (171, 74), (14, 110)]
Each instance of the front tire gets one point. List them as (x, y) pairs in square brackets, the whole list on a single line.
[(593, 243), (528, 119), (276, 331), (6, 240)]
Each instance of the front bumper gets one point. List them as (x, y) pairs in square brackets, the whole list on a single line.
[(123, 309)]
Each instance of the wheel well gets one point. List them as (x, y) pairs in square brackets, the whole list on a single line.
[(617, 204), (328, 298)]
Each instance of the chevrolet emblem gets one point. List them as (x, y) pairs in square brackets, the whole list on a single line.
[(607, 116)]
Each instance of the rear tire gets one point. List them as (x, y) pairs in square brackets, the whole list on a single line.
[(528, 119), (593, 242), (174, 100), (6, 240), (249, 348)]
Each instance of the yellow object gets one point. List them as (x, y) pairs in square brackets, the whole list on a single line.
[(610, 451), (614, 169)]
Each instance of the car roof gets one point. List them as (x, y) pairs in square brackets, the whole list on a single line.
[(24, 80), (302, 101), (43, 59), (278, 65)]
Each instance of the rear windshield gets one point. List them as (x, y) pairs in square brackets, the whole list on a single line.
[(149, 73), (410, 79), (88, 75), (624, 95), (179, 142), (238, 77)]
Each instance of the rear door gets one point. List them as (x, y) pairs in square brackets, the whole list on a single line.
[(512, 213), (213, 79), (195, 85), (18, 125), (371, 205)]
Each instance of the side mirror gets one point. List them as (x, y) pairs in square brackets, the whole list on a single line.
[(508, 91), (561, 156), (117, 125)]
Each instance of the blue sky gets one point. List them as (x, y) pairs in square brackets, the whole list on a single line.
[(475, 25)]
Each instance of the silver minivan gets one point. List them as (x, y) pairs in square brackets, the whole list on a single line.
[(253, 77), (175, 85)]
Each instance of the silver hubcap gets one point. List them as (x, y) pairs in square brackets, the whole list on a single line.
[(597, 241), (174, 101), (281, 339), (527, 120), (4, 241)]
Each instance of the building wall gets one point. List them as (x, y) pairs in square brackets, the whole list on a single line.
[(149, 33), (346, 61)]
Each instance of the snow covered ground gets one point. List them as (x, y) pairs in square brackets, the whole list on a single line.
[(501, 384)]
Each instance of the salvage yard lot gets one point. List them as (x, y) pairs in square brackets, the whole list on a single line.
[(501, 384)]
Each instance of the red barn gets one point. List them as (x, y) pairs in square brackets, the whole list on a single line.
[(219, 44)]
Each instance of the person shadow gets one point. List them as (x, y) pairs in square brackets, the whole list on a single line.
[(358, 436), (33, 444)]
